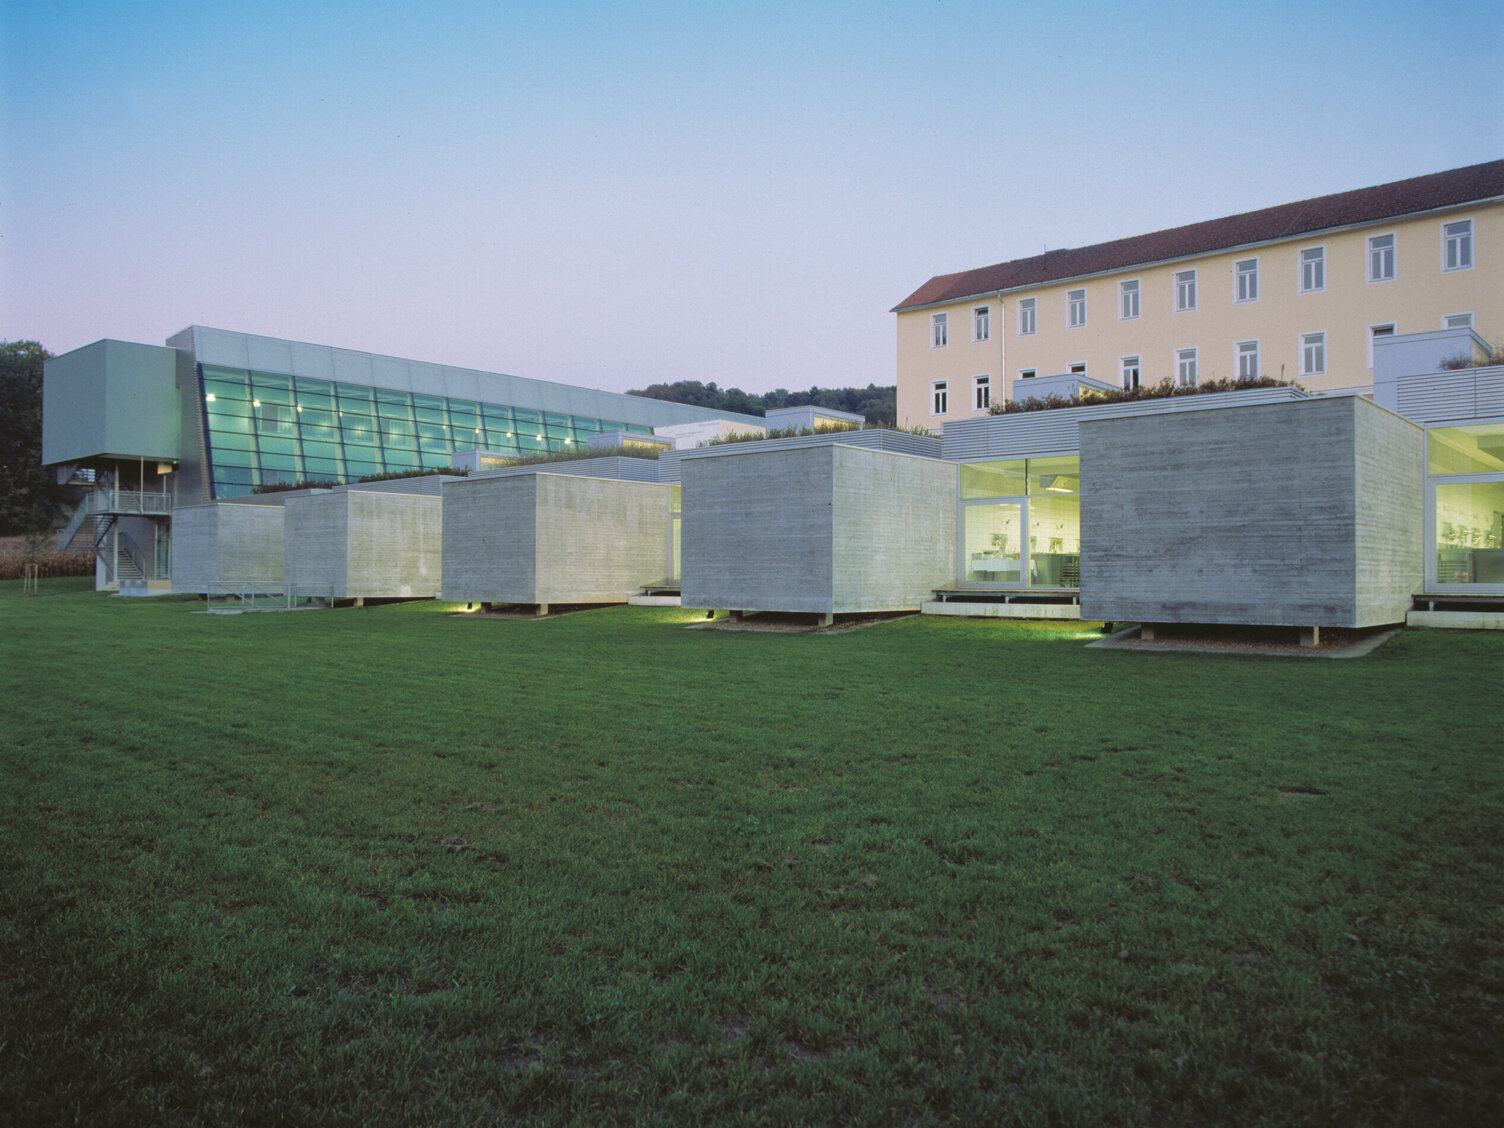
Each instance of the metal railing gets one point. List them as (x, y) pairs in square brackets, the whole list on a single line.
[(66, 534), (132, 502), (127, 549), (113, 502)]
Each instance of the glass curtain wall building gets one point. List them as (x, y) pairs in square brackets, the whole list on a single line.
[(267, 428), (272, 412), (214, 414)]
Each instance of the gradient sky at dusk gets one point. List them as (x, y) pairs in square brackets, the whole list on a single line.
[(616, 194)]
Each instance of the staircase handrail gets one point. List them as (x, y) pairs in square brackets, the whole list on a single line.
[(81, 513), (132, 553)]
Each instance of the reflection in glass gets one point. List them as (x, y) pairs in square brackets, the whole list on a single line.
[(349, 431), (1060, 474), (1475, 449), (993, 549), (992, 479), (1055, 540), (1470, 533)]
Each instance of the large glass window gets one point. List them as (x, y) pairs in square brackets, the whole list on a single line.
[(266, 427), (1477, 448), (993, 479), (1021, 523), (1466, 465), (994, 550), (1055, 541), (1470, 532)]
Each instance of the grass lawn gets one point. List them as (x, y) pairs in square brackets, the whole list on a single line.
[(399, 866)]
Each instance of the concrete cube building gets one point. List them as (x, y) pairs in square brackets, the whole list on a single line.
[(363, 544), (1307, 514), (823, 529), (227, 546), (548, 537)]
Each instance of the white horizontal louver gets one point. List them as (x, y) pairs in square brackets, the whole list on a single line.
[(1041, 432), (1433, 396)]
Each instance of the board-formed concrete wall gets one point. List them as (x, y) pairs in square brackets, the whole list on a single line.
[(1305, 513), (819, 529), (222, 545), (489, 547), (361, 544), (553, 537)]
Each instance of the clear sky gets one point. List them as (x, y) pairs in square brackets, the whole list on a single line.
[(620, 193)]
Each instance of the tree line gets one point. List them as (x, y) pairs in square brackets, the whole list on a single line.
[(30, 498), (877, 404)]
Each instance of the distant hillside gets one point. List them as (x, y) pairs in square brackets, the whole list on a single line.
[(876, 404)]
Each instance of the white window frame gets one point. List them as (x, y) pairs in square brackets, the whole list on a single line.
[(1128, 299), (1250, 292), (981, 324), (1127, 365), (1448, 318), (1078, 368), (1374, 260), (1316, 276), (939, 330), (981, 392), (1027, 373), (1028, 317), (1185, 291), (1240, 352), (1463, 240), (1374, 335), (1186, 367), (939, 397), (1313, 353), (1075, 309)]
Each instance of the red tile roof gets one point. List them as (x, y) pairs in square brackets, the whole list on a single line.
[(1363, 205)]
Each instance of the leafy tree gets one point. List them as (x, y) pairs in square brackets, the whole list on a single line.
[(875, 404), (29, 495)]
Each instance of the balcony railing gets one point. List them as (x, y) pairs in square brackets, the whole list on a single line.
[(130, 502)]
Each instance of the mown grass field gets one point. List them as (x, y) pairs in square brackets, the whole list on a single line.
[(398, 866)]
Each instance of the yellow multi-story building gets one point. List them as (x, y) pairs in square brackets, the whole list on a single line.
[(1297, 292)]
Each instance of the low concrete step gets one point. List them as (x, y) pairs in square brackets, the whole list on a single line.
[(145, 587), (1457, 620), (1002, 610)]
